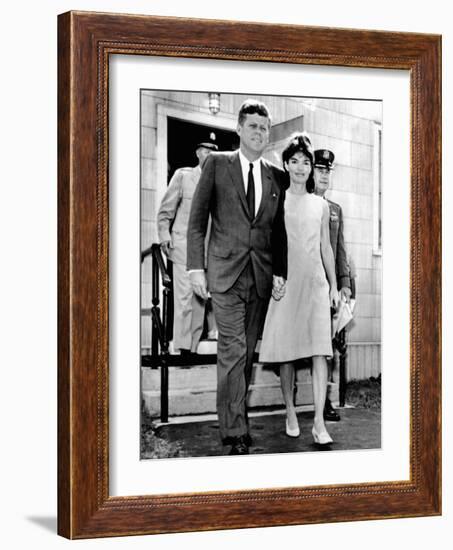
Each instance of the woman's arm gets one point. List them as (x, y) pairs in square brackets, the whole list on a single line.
[(327, 256)]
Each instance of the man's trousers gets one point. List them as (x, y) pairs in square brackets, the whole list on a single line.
[(240, 314)]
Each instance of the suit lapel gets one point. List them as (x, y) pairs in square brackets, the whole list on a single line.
[(234, 168), (266, 182)]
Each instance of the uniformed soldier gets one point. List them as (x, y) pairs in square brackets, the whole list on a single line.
[(172, 223), (323, 167)]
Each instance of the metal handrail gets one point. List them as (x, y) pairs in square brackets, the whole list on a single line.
[(160, 336), (156, 252)]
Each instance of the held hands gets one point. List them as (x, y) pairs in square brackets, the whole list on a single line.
[(334, 297), (199, 285), (278, 287)]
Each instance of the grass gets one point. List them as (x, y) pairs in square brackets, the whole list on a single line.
[(365, 394), (152, 446)]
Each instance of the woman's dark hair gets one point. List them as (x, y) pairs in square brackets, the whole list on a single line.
[(300, 143)]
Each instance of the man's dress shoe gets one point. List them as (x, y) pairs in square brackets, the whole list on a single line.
[(239, 447), (330, 413), (229, 440)]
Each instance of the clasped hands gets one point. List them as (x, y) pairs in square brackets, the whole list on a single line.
[(278, 287), (200, 287)]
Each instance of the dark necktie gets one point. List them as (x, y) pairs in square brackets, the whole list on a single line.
[(251, 191)]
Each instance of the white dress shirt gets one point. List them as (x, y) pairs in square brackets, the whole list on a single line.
[(256, 177)]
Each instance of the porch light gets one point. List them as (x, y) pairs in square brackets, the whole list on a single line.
[(214, 102)]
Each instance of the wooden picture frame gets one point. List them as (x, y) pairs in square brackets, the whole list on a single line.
[(85, 41)]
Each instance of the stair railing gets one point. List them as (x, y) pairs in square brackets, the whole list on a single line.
[(160, 332)]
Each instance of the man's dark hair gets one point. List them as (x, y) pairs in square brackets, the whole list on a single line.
[(252, 107), (300, 143)]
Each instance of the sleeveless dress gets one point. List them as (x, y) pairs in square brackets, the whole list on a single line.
[(299, 325)]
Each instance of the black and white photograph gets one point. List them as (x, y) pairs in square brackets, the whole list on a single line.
[(224, 355), (261, 274)]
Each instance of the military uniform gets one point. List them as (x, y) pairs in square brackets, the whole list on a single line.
[(324, 160), (338, 246), (172, 223)]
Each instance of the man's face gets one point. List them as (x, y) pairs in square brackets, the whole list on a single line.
[(202, 154), (254, 135), (322, 179)]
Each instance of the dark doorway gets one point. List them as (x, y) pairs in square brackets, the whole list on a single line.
[(182, 140), (184, 136)]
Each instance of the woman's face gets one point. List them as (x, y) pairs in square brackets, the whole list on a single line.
[(299, 168)]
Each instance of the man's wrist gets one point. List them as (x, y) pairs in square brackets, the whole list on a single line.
[(164, 237), (344, 282)]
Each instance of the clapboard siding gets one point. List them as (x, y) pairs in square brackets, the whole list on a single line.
[(344, 126)]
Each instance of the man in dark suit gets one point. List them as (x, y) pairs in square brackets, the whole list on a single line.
[(247, 258), (323, 167)]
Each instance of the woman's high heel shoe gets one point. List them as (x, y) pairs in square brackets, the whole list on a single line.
[(322, 438), (292, 432)]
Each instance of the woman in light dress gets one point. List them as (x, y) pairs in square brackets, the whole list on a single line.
[(298, 321)]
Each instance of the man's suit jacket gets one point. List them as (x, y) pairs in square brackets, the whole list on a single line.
[(338, 246), (236, 237)]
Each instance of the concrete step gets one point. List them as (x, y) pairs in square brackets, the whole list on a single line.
[(192, 390)]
